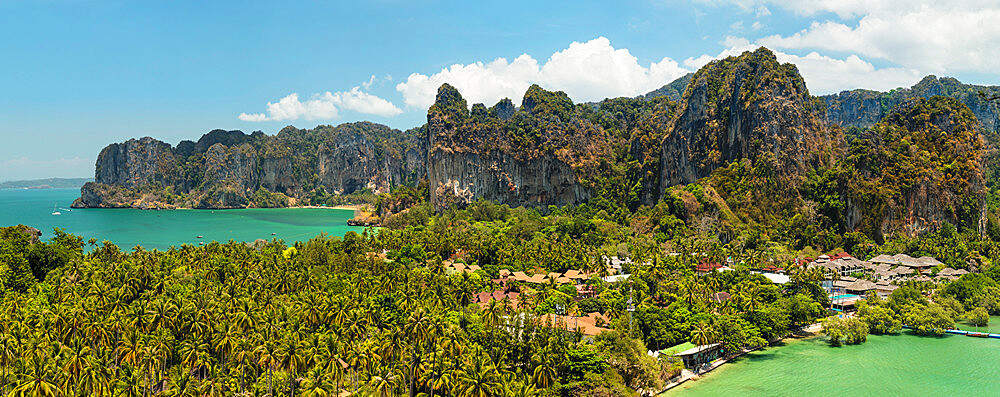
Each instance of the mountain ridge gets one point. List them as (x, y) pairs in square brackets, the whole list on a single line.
[(737, 120)]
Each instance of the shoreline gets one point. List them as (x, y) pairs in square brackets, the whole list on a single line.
[(809, 331), (352, 207)]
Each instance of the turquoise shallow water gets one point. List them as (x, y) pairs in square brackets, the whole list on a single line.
[(161, 229), (895, 365)]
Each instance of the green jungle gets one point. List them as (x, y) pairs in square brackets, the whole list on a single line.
[(385, 313)]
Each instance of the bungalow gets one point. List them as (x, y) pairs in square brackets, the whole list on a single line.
[(585, 291), (720, 297), (773, 269), (922, 262), (884, 289), (574, 274), (884, 260), (843, 266), (777, 278), (700, 354), (706, 268), (860, 287), (952, 272), (520, 276), (587, 325), (537, 278)]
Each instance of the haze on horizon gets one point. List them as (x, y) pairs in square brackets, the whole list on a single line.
[(84, 74)]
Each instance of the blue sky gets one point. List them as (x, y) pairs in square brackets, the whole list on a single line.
[(77, 75)]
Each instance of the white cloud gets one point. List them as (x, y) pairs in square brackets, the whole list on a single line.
[(362, 102), (325, 106), (931, 35), (368, 84), (935, 39), (587, 71), (252, 117), (824, 74)]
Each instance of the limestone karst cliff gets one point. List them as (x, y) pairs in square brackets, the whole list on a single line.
[(864, 108), (228, 169), (741, 107), (482, 154), (740, 142)]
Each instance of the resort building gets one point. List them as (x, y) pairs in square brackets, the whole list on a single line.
[(698, 355), (841, 264), (884, 289), (860, 287), (923, 262), (705, 268)]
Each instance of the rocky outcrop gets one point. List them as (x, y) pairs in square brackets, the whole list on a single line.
[(230, 169), (674, 90), (864, 108), (137, 162), (348, 165), (484, 154), (918, 168), (462, 177), (742, 107)]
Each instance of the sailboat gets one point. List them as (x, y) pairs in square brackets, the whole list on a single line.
[(54, 211)]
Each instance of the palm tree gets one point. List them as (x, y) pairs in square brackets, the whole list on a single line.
[(480, 379), (703, 335), (38, 381), (266, 357), (383, 385), (544, 374)]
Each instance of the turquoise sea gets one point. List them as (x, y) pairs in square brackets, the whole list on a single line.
[(890, 365), (161, 229)]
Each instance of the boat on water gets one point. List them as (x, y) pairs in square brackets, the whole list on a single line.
[(273, 233), (199, 236), (55, 211)]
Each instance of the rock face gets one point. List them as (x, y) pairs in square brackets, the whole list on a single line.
[(225, 169), (864, 108), (930, 155), (674, 90), (136, 162), (743, 107), (461, 177), (478, 155), (349, 165)]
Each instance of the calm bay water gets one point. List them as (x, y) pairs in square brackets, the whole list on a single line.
[(161, 229), (894, 365)]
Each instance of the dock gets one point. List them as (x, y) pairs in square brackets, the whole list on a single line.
[(966, 333)]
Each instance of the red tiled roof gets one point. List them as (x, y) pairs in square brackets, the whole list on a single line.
[(707, 267)]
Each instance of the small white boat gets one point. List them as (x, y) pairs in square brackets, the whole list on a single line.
[(55, 211)]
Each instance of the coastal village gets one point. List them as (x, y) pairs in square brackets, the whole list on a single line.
[(846, 280)]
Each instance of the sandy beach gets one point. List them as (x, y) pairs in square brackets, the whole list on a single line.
[(352, 207)]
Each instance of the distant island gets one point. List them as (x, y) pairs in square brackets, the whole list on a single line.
[(47, 183)]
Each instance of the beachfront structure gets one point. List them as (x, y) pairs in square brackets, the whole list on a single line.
[(700, 354)]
